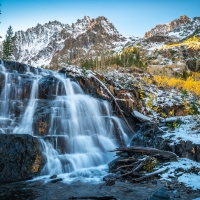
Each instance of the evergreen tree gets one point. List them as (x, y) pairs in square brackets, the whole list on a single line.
[(8, 45), (138, 61), (0, 14)]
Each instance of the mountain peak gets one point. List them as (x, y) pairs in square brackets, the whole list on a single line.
[(184, 18), (38, 45)]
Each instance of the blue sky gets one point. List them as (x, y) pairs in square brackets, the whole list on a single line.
[(130, 17)]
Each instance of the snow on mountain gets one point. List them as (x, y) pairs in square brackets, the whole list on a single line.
[(97, 36), (186, 29), (171, 32), (38, 44), (55, 41), (176, 29)]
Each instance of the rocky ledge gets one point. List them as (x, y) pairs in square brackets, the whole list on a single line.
[(183, 140)]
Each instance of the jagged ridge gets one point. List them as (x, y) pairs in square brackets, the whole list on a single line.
[(55, 42)]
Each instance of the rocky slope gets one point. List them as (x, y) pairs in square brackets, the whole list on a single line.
[(174, 44)]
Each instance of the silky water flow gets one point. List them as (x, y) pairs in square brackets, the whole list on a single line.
[(81, 129)]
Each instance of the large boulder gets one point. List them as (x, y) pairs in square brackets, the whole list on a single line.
[(20, 157)]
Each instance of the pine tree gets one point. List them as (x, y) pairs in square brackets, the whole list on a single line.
[(8, 45), (0, 14)]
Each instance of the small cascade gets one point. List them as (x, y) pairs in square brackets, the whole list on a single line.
[(6, 101), (25, 125), (76, 130)]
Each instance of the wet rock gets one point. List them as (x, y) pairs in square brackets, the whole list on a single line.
[(21, 157), (149, 135), (108, 177), (188, 145), (54, 176), (42, 117), (11, 66), (154, 182), (114, 164), (170, 187), (176, 194), (118, 174), (49, 87), (110, 182), (56, 180), (179, 174), (198, 153), (160, 194)]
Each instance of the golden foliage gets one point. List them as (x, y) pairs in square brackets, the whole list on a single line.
[(147, 80), (171, 113), (128, 50), (141, 93), (150, 101), (192, 43), (190, 84), (196, 75)]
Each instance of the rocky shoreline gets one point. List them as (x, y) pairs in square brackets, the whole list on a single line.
[(153, 189)]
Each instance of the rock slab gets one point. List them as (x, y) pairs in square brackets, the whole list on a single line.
[(20, 157)]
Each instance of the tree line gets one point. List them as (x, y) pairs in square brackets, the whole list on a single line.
[(126, 58)]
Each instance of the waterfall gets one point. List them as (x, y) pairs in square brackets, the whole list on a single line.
[(80, 129), (26, 122)]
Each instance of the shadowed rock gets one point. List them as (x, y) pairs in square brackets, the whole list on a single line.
[(20, 157)]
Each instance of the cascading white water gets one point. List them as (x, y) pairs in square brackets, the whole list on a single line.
[(81, 130), (5, 101), (27, 119), (87, 127)]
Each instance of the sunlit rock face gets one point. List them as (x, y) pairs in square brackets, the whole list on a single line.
[(178, 28)]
